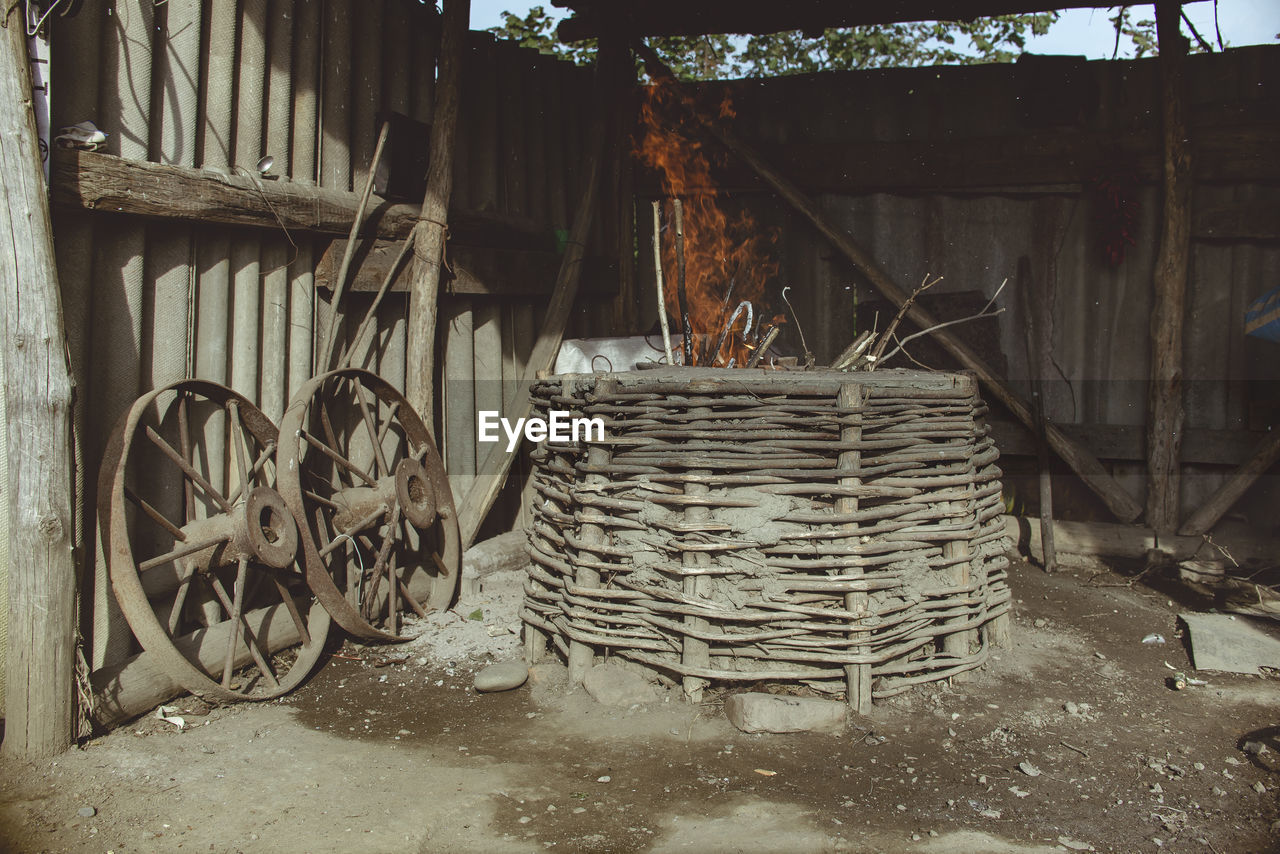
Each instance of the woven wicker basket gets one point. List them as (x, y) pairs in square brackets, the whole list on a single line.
[(839, 530)]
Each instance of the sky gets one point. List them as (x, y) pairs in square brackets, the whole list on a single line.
[(1078, 32)]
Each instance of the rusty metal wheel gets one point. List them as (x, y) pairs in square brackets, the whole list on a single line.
[(368, 489), (201, 548)]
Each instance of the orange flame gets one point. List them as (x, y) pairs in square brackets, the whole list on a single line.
[(727, 255)]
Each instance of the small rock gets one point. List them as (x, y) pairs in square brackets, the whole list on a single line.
[(605, 779), (1028, 769), (86, 812), (1219, 791), (502, 676), (579, 810), (1019, 793), (1199, 766), (1040, 622), (991, 814), (1074, 844), (1157, 789), (915, 837), (524, 819), (1254, 748), (934, 834), (614, 685), (1259, 788), (757, 712)]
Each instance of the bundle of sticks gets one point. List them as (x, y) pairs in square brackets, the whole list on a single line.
[(707, 348), (867, 351)]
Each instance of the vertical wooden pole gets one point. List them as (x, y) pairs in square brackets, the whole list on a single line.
[(429, 234), (1164, 399), (581, 655), (695, 652), (1037, 355), (857, 676), (39, 694)]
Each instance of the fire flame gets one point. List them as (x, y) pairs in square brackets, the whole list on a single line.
[(727, 255)]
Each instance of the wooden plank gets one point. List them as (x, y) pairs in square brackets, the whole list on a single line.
[(101, 182), (1246, 219), (1266, 456), (1126, 442), (1079, 458), (1035, 161), (493, 469), (479, 272), (40, 665), (1107, 539), (1164, 401), (430, 229)]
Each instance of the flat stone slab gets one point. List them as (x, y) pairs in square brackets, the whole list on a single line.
[(502, 676), (614, 685), (1230, 644), (756, 712)]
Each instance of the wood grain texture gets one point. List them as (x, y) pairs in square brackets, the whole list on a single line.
[(40, 708)]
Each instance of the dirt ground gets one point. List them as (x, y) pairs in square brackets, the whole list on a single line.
[(389, 750)]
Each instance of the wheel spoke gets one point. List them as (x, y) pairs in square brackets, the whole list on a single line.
[(184, 442), (156, 515), (379, 457), (353, 530), (258, 465), (292, 607), (250, 640), (392, 409), (188, 470), (388, 540), (409, 597), (180, 598), (237, 609), (242, 451), (336, 457), (327, 425), (182, 551)]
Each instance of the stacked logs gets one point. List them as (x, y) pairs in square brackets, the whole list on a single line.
[(772, 526)]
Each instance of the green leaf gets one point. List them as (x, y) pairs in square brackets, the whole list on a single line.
[(477, 614)]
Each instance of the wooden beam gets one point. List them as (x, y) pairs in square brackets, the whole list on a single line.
[(1077, 457), (515, 273), (1164, 401), (1127, 442), (1264, 457), (679, 17), (101, 182), (1111, 540), (40, 708), (431, 229), (1037, 161)]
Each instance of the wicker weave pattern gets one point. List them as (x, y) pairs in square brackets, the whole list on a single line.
[(743, 526)]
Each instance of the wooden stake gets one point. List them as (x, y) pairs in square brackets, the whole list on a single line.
[(1036, 357), (1079, 458), (857, 676), (657, 272), (430, 232), (1164, 400), (39, 688), (681, 295)]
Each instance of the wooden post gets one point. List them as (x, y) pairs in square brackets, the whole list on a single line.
[(857, 676), (1164, 399), (1037, 355), (1081, 460), (430, 232), (581, 655), (39, 690)]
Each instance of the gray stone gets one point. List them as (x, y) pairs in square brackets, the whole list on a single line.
[(86, 812), (502, 676), (754, 712), (614, 685)]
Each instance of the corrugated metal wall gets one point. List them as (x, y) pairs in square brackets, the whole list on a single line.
[(219, 85), (973, 238)]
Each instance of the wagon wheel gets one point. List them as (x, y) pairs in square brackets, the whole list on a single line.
[(365, 482), (202, 553)]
